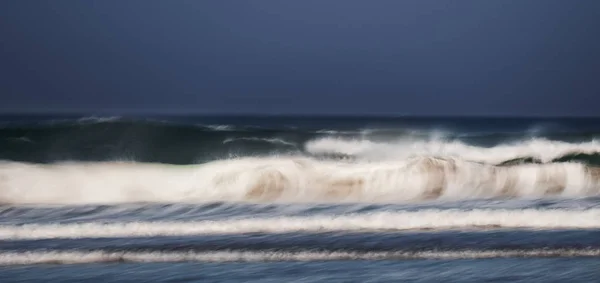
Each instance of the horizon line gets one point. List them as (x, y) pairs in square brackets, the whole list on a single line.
[(130, 112)]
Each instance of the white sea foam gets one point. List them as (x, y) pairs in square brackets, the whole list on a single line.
[(81, 257), (544, 150), (288, 179), (390, 221), (220, 127)]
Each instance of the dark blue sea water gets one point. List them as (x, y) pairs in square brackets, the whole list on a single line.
[(299, 199)]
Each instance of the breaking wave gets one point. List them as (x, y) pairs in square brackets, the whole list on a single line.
[(290, 179), (77, 162)]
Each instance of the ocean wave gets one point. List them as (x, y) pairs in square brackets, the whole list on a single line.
[(185, 140), (425, 220), (99, 256), (534, 150), (98, 119), (290, 179)]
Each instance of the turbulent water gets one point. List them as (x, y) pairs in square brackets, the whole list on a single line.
[(331, 198)]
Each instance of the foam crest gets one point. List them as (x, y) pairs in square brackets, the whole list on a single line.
[(288, 179), (81, 257), (544, 150), (390, 221)]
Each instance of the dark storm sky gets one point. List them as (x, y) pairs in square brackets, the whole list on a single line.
[(496, 57)]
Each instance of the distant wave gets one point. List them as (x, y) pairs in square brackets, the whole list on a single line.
[(98, 119), (255, 139), (530, 151)]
